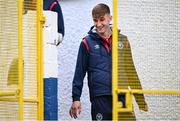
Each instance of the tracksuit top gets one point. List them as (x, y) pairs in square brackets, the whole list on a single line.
[(95, 59)]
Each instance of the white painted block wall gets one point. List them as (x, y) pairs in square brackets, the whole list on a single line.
[(153, 29), (50, 35)]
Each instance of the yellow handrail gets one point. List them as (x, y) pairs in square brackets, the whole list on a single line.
[(136, 91), (40, 21), (30, 100), (8, 94), (20, 61), (115, 60), (124, 109)]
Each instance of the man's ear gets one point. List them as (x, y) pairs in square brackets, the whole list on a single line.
[(110, 18)]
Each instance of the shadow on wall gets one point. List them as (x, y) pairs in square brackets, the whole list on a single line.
[(13, 72)]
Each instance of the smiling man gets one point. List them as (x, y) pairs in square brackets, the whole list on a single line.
[(94, 57)]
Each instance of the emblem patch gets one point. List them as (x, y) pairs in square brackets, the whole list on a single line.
[(120, 45), (99, 117), (96, 47)]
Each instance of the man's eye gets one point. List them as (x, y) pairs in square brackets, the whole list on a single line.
[(101, 19), (95, 20)]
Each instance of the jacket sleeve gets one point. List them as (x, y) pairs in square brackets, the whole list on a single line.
[(57, 8), (80, 72)]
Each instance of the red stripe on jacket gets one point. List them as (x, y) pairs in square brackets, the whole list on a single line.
[(52, 5), (86, 44)]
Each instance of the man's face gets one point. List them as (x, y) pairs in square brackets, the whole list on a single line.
[(102, 23)]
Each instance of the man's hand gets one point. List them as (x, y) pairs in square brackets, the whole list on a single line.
[(75, 109)]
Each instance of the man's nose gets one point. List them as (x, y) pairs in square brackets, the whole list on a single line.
[(98, 23)]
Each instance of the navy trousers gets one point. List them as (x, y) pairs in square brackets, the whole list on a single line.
[(101, 107)]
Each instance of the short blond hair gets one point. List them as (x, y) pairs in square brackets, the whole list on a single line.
[(100, 10)]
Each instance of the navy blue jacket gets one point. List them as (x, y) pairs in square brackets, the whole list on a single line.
[(96, 61), (54, 5)]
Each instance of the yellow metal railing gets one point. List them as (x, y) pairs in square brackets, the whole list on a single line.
[(21, 65), (130, 87), (20, 60), (40, 22), (136, 91), (8, 94), (129, 96), (9, 61), (115, 60)]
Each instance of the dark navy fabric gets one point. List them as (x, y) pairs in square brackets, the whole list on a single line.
[(99, 67), (101, 108), (50, 99), (97, 63), (56, 8), (81, 67)]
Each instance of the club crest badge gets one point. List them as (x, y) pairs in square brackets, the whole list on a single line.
[(99, 117), (120, 45), (96, 47)]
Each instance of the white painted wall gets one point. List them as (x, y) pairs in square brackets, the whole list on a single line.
[(153, 29)]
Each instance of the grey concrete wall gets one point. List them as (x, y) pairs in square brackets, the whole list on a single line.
[(153, 29)]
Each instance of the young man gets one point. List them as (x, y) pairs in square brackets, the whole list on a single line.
[(94, 57)]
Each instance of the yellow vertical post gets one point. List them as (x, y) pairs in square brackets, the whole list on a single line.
[(20, 61), (40, 21), (115, 61)]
